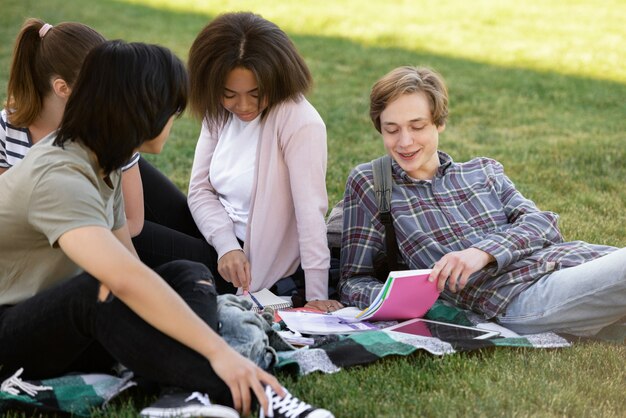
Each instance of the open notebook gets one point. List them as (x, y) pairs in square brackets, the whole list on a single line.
[(265, 297)]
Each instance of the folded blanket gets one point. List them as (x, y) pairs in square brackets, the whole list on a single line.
[(77, 394), (369, 346)]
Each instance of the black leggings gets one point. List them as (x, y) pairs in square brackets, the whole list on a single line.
[(169, 231), (67, 329)]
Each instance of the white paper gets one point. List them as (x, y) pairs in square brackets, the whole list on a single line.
[(321, 324), (348, 314)]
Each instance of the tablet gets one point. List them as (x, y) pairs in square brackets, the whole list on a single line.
[(441, 330)]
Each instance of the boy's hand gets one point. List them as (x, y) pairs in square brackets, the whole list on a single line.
[(456, 268)]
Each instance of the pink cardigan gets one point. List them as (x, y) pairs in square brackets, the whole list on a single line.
[(286, 224)]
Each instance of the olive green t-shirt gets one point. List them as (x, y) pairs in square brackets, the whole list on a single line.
[(51, 191)]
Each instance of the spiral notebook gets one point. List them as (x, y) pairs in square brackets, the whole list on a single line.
[(405, 295), (265, 297)]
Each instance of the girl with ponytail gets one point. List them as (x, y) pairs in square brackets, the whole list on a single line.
[(45, 65)]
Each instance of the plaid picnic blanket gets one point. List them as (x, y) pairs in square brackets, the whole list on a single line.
[(332, 353), (78, 395)]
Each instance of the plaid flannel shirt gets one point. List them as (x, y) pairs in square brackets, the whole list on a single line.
[(472, 204)]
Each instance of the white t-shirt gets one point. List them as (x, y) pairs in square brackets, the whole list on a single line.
[(232, 169)]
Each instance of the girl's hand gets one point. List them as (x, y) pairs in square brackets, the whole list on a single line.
[(241, 375), (456, 268), (235, 268), (324, 305)]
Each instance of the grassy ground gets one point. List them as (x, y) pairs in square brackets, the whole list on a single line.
[(538, 85)]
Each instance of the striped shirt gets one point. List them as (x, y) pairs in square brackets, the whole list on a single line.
[(15, 142), (471, 204)]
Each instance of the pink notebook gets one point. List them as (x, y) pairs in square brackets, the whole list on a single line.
[(405, 295)]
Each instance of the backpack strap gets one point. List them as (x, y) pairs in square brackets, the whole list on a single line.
[(382, 187)]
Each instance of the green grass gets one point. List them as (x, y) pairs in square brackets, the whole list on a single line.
[(537, 85)]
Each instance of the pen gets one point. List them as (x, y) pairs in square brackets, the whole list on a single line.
[(255, 300)]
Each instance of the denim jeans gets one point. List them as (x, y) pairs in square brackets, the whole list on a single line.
[(578, 300), (67, 329), (169, 231)]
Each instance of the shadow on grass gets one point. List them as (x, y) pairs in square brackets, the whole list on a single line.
[(553, 132)]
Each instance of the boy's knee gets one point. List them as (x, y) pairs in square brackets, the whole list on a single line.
[(181, 274), (104, 294), (184, 268), (205, 286)]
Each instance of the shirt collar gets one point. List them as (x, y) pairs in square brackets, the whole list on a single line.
[(445, 161)]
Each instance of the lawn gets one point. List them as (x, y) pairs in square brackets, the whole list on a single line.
[(538, 85)]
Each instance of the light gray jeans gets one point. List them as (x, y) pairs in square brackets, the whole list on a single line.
[(578, 300)]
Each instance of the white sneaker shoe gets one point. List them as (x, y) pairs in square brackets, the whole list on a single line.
[(184, 404), (291, 407)]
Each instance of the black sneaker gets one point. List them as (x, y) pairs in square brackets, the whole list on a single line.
[(291, 407), (184, 404)]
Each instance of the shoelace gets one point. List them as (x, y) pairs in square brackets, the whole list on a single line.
[(289, 405), (203, 398), (13, 384)]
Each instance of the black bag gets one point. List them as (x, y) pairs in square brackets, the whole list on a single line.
[(383, 184)]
